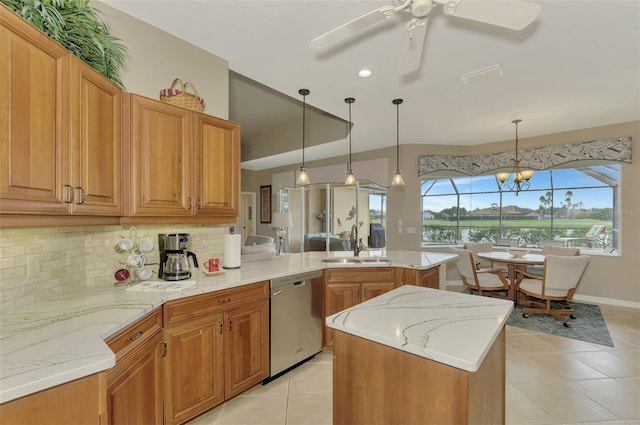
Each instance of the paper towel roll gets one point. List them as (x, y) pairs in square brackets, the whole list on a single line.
[(232, 248)]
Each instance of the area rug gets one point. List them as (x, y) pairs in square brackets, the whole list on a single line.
[(589, 326)]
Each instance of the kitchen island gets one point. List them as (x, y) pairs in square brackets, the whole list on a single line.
[(420, 356)]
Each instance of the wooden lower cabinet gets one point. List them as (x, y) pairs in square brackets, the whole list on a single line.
[(246, 347), (134, 386), (79, 402), (215, 356), (347, 287), (429, 278), (194, 371), (407, 389)]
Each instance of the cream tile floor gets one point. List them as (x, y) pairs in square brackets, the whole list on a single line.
[(550, 380)]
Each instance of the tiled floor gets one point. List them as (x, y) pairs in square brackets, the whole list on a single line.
[(550, 380)]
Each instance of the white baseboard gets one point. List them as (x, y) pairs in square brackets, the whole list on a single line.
[(583, 298), (608, 301)]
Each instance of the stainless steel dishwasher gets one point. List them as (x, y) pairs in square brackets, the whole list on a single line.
[(296, 320)]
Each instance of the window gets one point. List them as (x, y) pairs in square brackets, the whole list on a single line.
[(560, 208)]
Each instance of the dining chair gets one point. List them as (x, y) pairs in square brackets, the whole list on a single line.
[(536, 271), (560, 278), (491, 281), (475, 248)]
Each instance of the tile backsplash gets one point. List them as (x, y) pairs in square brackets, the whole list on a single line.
[(38, 263)]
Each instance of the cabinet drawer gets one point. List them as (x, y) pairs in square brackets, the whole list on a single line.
[(360, 275), (197, 306), (135, 334)]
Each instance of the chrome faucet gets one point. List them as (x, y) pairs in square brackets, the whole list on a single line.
[(355, 242)]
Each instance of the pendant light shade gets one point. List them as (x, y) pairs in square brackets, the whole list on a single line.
[(397, 177), (518, 179), (351, 178), (303, 176)]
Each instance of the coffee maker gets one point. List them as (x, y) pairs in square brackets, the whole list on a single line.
[(174, 263)]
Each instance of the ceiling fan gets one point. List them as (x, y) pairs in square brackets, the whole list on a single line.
[(511, 14)]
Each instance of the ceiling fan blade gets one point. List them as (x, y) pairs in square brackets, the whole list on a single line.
[(345, 31), (411, 54), (512, 14)]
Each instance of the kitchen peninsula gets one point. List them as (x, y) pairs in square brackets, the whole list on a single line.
[(417, 355), (62, 340)]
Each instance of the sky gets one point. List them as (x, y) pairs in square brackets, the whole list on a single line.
[(592, 192)]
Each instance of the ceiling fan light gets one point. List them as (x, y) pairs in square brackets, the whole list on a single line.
[(365, 73)]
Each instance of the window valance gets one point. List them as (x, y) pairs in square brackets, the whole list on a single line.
[(615, 150)]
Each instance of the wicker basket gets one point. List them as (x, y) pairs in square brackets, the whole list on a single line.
[(180, 97)]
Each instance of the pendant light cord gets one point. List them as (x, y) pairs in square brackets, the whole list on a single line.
[(397, 102), (516, 123), (304, 93), (350, 100)]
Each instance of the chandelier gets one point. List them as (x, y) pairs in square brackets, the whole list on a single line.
[(517, 180)]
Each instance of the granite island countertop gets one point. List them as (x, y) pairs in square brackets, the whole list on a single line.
[(448, 327), (51, 342)]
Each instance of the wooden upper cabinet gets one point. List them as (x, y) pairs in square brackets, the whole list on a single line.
[(182, 163), (96, 141), (161, 159), (60, 127), (217, 155), (34, 77)]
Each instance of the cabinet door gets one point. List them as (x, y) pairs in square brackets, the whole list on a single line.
[(217, 155), (161, 162), (246, 347), (96, 155), (337, 297), (373, 289), (429, 278), (193, 373), (34, 78), (134, 386)]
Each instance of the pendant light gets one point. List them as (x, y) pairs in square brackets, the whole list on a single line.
[(303, 177), (517, 180), (351, 178), (397, 177)]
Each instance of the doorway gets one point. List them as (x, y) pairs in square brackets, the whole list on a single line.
[(246, 219)]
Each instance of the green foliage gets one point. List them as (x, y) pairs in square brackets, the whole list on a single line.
[(78, 27), (438, 234)]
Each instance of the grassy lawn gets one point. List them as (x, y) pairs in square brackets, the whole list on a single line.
[(561, 223)]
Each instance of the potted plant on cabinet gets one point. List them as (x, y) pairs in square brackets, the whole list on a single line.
[(78, 27)]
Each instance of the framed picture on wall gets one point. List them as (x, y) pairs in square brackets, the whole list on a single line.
[(265, 204)]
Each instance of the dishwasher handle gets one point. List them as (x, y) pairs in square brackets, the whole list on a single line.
[(299, 283)]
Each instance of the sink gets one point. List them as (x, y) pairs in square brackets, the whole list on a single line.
[(369, 260), (341, 260), (357, 260)]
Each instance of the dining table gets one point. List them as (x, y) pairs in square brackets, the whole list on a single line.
[(513, 264)]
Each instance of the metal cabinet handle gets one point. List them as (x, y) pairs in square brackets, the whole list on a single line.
[(69, 194), (189, 198), (164, 349), (230, 323), (226, 300), (136, 336), (220, 327), (81, 194), (199, 203)]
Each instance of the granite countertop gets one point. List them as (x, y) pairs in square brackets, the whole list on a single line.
[(51, 342), (448, 327)]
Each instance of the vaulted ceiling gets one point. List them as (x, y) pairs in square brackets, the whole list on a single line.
[(576, 66)]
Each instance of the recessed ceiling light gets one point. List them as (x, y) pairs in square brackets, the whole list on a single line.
[(365, 73)]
